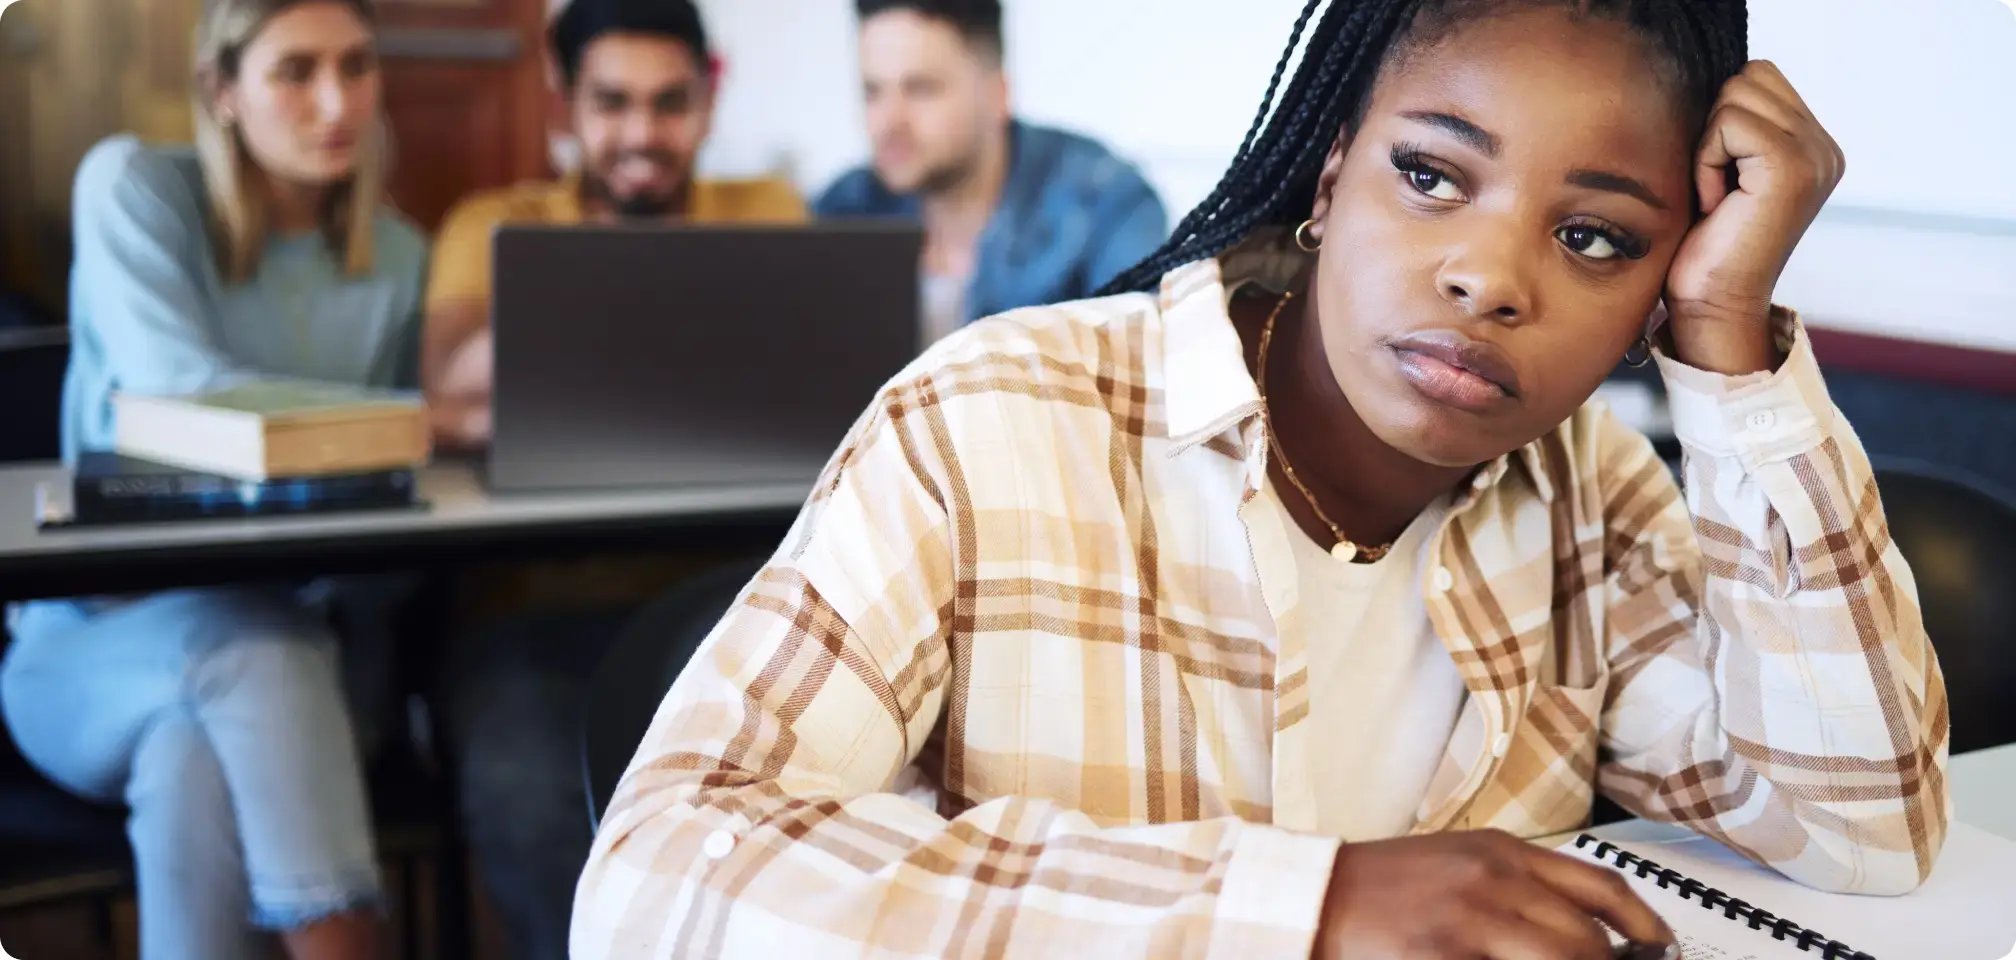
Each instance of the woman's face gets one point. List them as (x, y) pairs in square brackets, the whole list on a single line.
[(1497, 230), (307, 91)]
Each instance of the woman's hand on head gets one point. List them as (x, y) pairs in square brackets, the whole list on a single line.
[(1785, 165), (1481, 894)]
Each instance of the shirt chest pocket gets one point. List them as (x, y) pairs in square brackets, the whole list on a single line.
[(1546, 781), (1567, 719), (1566, 713)]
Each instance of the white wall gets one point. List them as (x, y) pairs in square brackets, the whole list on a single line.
[(790, 100), (1920, 240)]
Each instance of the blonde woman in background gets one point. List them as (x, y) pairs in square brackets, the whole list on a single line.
[(218, 715)]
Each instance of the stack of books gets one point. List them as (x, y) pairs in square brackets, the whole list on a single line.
[(272, 447)]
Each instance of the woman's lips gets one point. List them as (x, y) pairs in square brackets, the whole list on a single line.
[(1448, 367)]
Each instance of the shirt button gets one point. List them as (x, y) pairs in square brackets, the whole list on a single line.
[(1501, 746), (1444, 580), (719, 844), (1762, 420)]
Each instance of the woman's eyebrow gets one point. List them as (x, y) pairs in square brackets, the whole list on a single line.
[(1615, 183), (1478, 138), (311, 52)]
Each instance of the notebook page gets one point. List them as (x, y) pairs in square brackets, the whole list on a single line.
[(1965, 911)]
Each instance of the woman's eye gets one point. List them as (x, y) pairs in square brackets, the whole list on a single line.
[(1430, 182), (1591, 242)]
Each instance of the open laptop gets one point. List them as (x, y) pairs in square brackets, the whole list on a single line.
[(691, 356)]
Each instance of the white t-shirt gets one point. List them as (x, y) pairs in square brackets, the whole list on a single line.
[(943, 298), (1383, 692)]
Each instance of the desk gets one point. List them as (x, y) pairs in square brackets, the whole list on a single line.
[(463, 521)]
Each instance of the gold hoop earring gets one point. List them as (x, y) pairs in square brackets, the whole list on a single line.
[(1305, 237), (1643, 351)]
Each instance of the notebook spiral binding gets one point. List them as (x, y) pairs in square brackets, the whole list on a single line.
[(1710, 898)]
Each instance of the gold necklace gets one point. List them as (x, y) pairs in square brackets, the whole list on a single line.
[(1345, 551)]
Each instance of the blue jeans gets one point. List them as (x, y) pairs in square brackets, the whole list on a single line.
[(218, 717)]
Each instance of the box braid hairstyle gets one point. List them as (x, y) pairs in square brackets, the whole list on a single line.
[(1272, 179)]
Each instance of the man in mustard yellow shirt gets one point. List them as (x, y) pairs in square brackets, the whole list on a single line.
[(639, 92)]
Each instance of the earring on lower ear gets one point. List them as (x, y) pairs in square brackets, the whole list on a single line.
[(1640, 353), (1305, 237)]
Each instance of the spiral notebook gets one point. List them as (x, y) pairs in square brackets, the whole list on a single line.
[(1726, 908)]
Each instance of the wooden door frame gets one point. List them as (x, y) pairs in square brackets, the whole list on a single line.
[(500, 32)]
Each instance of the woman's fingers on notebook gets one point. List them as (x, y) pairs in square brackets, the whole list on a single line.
[(1603, 894), (1480, 894), (1566, 927), (1521, 939)]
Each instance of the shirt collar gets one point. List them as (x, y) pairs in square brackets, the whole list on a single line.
[(1529, 458), (1209, 389), (705, 202)]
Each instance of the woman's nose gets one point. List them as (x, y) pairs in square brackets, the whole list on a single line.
[(1487, 280)]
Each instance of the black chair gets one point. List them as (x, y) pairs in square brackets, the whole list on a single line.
[(1959, 536), (630, 683), (18, 312), (32, 362), (60, 850)]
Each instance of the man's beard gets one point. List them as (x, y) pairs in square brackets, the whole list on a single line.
[(946, 176), (640, 206)]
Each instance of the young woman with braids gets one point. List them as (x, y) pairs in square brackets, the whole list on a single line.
[(1256, 609)]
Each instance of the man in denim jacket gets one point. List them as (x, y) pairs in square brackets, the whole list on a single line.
[(1014, 214)]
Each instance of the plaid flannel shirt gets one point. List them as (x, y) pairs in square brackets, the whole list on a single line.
[(1012, 686)]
